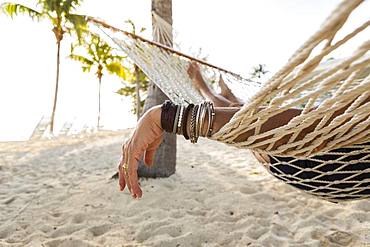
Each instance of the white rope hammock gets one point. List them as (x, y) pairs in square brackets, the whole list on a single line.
[(334, 98)]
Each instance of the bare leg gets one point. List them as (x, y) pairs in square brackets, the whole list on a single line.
[(199, 83), (225, 99)]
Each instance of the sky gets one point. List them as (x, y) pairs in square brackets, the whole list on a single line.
[(235, 34)]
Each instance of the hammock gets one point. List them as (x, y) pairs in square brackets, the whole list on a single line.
[(305, 82)]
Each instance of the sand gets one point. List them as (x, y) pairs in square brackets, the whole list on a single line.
[(59, 193)]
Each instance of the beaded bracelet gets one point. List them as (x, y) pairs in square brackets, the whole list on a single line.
[(185, 124), (174, 126), (179, 122), (168, 115), (194, 113)]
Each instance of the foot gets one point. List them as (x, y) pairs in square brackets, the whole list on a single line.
[(227, 93), (225, 90), (196, 76), (199, 83)]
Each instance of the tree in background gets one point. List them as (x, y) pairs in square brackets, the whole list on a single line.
[(97, 55), (258, 71), (60, 14), (137, 85), (165, 158)]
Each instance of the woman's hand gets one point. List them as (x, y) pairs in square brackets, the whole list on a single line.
[(143, 143)]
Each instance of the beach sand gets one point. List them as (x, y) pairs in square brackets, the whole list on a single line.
[(59, 193)]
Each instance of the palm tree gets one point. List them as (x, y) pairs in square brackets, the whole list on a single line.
[(258, 71), (99, 57), (140, 80), (165, 159), (59, 13), (135, 86)]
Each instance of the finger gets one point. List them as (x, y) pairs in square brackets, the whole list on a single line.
[(151, 150), (121, 176), (133, 178), (124, 144), (126, 175)]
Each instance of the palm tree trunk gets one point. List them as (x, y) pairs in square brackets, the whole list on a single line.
[(98, 127), (137, 89), (56, 89), (165, 159)]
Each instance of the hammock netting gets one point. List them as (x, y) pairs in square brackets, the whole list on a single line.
[(334, 98)]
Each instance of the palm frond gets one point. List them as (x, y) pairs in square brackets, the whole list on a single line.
[(85, 61), (13, 9), (132, 24), (69, 5), (86, 68), (51, 6), (117, 57), (79, 23), (127, 90), (117, 69)]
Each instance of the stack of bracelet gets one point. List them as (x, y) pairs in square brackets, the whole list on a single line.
[(174, 119)]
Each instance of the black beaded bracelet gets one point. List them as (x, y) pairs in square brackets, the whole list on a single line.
[(168, 115), (185, 125), (193, 122)]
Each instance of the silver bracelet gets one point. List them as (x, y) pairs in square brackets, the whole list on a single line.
[(203, 117), (198, 120), (174, 128), (213, 114), (209, 117), (179, 123)]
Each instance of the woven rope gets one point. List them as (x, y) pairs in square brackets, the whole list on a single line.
[(167, 69), (305, 82), (352, 174), (285, 90)]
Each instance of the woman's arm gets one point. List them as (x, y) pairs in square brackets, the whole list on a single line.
[(148, 136)]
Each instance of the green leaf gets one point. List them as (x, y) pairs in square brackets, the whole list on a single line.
[(126, 91), (71, 4), (131, 23), (13, 9), (85, 61), (86, 68), (117, 69), (79, 23)]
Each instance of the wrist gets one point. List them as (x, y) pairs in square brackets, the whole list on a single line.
[(200, 121), (191, 121)]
